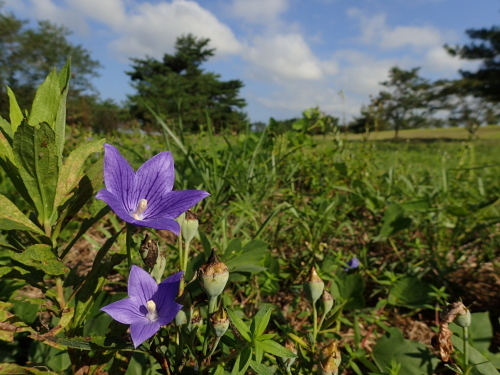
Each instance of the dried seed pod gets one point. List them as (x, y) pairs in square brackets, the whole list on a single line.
[(149, 251), (220, 322)]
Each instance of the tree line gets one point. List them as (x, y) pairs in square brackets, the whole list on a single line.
[(177, 88)]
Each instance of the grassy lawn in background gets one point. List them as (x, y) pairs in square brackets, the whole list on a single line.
[(490, 132)]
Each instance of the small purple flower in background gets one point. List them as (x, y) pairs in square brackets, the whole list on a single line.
[(145, 198), (147, 147), (149, 306), (352, 264)]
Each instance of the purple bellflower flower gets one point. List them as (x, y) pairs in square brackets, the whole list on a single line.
[(149, 305), (145, 198), (352, 264)]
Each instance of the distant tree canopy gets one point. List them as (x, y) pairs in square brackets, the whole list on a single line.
[(404, 103), (178, 88), (28, 54), (485, 82)]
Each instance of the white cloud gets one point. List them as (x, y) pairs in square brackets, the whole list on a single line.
[(152, 29), (374, 30), (258, 11), (48, 10), (284, 57), (110, 12), (438, 60)]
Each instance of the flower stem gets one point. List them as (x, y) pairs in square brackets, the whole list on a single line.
[(315, 323), (466, 349), (129, 243)]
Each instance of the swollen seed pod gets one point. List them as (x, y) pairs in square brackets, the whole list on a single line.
[(326, 302), (189, 226), (213, 276), (180, 218), (220, 322), (180, 318), (313, 286)]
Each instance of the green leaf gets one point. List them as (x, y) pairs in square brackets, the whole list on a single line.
[(38, 165), (260, 368), (41, 257), (261, 319), (60, 122), (393, 222), (351, 288), (13, 369), (259, 352), (55, 359), (414, 357), (46, 102), (245, 357), (481, 364), (72, 170), (11, 218), (239, 325), (272, 347), (15, 113), (249, 259), (410, 292)]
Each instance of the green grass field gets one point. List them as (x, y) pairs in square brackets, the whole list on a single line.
[(490, 132)]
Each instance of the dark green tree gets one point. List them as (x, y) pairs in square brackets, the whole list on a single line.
[(404, 105), (464, 108), (485, 47), (178, 88), (28, 54)]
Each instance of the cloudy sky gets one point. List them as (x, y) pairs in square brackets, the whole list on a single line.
[(290, 54)]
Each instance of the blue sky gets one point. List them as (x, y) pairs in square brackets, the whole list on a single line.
[(290, 54)]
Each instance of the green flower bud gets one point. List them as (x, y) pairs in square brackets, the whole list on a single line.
[(180, 218), (159, 268), (326, 302), (180, 318), (213, 276), (189, 226), (149, 251), (313, 286), (220, 322)]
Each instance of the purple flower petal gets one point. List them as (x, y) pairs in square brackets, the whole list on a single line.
[(126, 311), (154, 177), (141, 286), (116, 205), (165, 298), (174, 203), (160, 223), (118, 176), (140, 332)]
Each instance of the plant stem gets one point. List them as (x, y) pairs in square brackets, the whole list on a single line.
[(315, 323), (466, 349), (129, 244)]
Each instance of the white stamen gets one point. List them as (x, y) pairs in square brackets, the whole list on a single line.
[(152, 314), (141, 207)]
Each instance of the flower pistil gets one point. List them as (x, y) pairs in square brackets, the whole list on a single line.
[(152, 314), (141, 207)]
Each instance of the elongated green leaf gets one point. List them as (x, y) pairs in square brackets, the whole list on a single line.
[(15, 114), (46, 102), (36, 156), (6, 129), (41, 257), (14, 369), (261, 319), (71, 171), (272, 347), (260, 368), (60, 123), (11, 218), (243, 361), (393, 222), (239, 325)]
